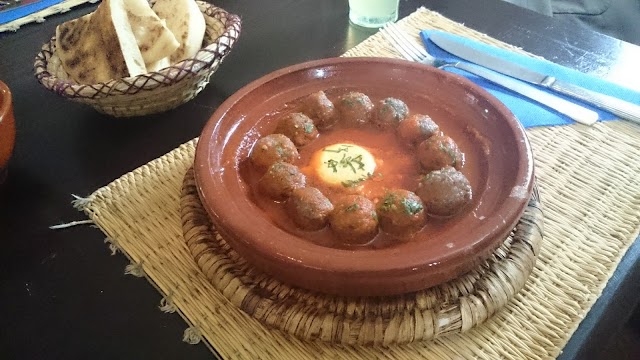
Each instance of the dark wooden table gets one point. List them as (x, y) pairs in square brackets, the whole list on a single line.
[(61, 293)]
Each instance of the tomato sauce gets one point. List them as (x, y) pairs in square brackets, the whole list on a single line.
[(396, 167)]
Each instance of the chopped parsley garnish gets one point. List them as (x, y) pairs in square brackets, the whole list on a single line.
[(426, 127), (342, 148), (349, 161), (411, 206), (388, 202), (348, 102), (450, 152), (353, 207), (280, 150), (308, 128), (353, 162), (332, 164), (352, 183)]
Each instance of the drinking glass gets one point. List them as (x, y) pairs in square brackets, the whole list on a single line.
[(373, 13)]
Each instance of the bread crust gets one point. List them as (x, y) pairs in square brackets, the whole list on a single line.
[(84, 55)]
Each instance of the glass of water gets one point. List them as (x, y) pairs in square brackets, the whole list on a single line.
[(373, 13)]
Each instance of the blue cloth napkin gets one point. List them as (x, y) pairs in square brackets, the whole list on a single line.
[(28, 8), (528, 111)]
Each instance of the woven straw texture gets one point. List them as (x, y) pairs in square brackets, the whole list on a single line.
[(39, 16), (587, 177), (452, 307), (152, 92)]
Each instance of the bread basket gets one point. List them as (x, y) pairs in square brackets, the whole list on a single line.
[(153, 92)]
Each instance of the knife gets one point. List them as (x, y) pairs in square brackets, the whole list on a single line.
[(576, 112), (412, 52), (621, 108)]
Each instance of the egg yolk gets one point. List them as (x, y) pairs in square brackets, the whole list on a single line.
[(343, 164)]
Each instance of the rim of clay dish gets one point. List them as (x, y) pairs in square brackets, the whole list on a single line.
[(5, 100)]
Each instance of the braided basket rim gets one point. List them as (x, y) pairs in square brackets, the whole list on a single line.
[(206, 59)]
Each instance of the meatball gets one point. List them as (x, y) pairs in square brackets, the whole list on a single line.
[(390, 112), (320, 109), (272, 148), (417, 128), (309, 208), (354, 219), (280, 180), (401, 212), (354, 108), (444, 192), (298, 127), (438, 152)]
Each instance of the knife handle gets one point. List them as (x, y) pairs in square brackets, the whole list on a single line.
[(574, 111), (621, 108)]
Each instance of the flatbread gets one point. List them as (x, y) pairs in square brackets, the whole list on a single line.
[(153, 37), (159, 65), (118, 40), (84, 54), (186, 22), (92, 49), (113, 14)]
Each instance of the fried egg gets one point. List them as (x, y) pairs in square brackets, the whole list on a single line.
[(343, 164)]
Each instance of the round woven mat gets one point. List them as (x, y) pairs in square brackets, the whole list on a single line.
[(452, 307)]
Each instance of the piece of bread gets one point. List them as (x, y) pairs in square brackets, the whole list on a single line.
[(159, 65), (154, 38), (114, 14), (186, 22), (85, 57), (119, 39), (95, 48)]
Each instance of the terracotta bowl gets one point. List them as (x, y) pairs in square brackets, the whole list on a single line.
[(481, 125), (7, 128)]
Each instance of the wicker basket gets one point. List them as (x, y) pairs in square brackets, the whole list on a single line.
[(153, 92)]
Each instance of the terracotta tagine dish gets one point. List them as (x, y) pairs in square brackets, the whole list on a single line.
[(7, 129), (363, 176)]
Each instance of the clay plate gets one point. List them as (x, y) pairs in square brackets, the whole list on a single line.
[(481, 125)]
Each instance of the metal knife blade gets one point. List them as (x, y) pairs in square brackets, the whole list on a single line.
[(576, 112), (624, 109)]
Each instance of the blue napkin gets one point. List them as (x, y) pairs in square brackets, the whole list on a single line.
[(27, 8), (528, 111)]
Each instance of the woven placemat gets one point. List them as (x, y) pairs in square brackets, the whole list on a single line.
[(588, 181), (39, 16), (452, 307)]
